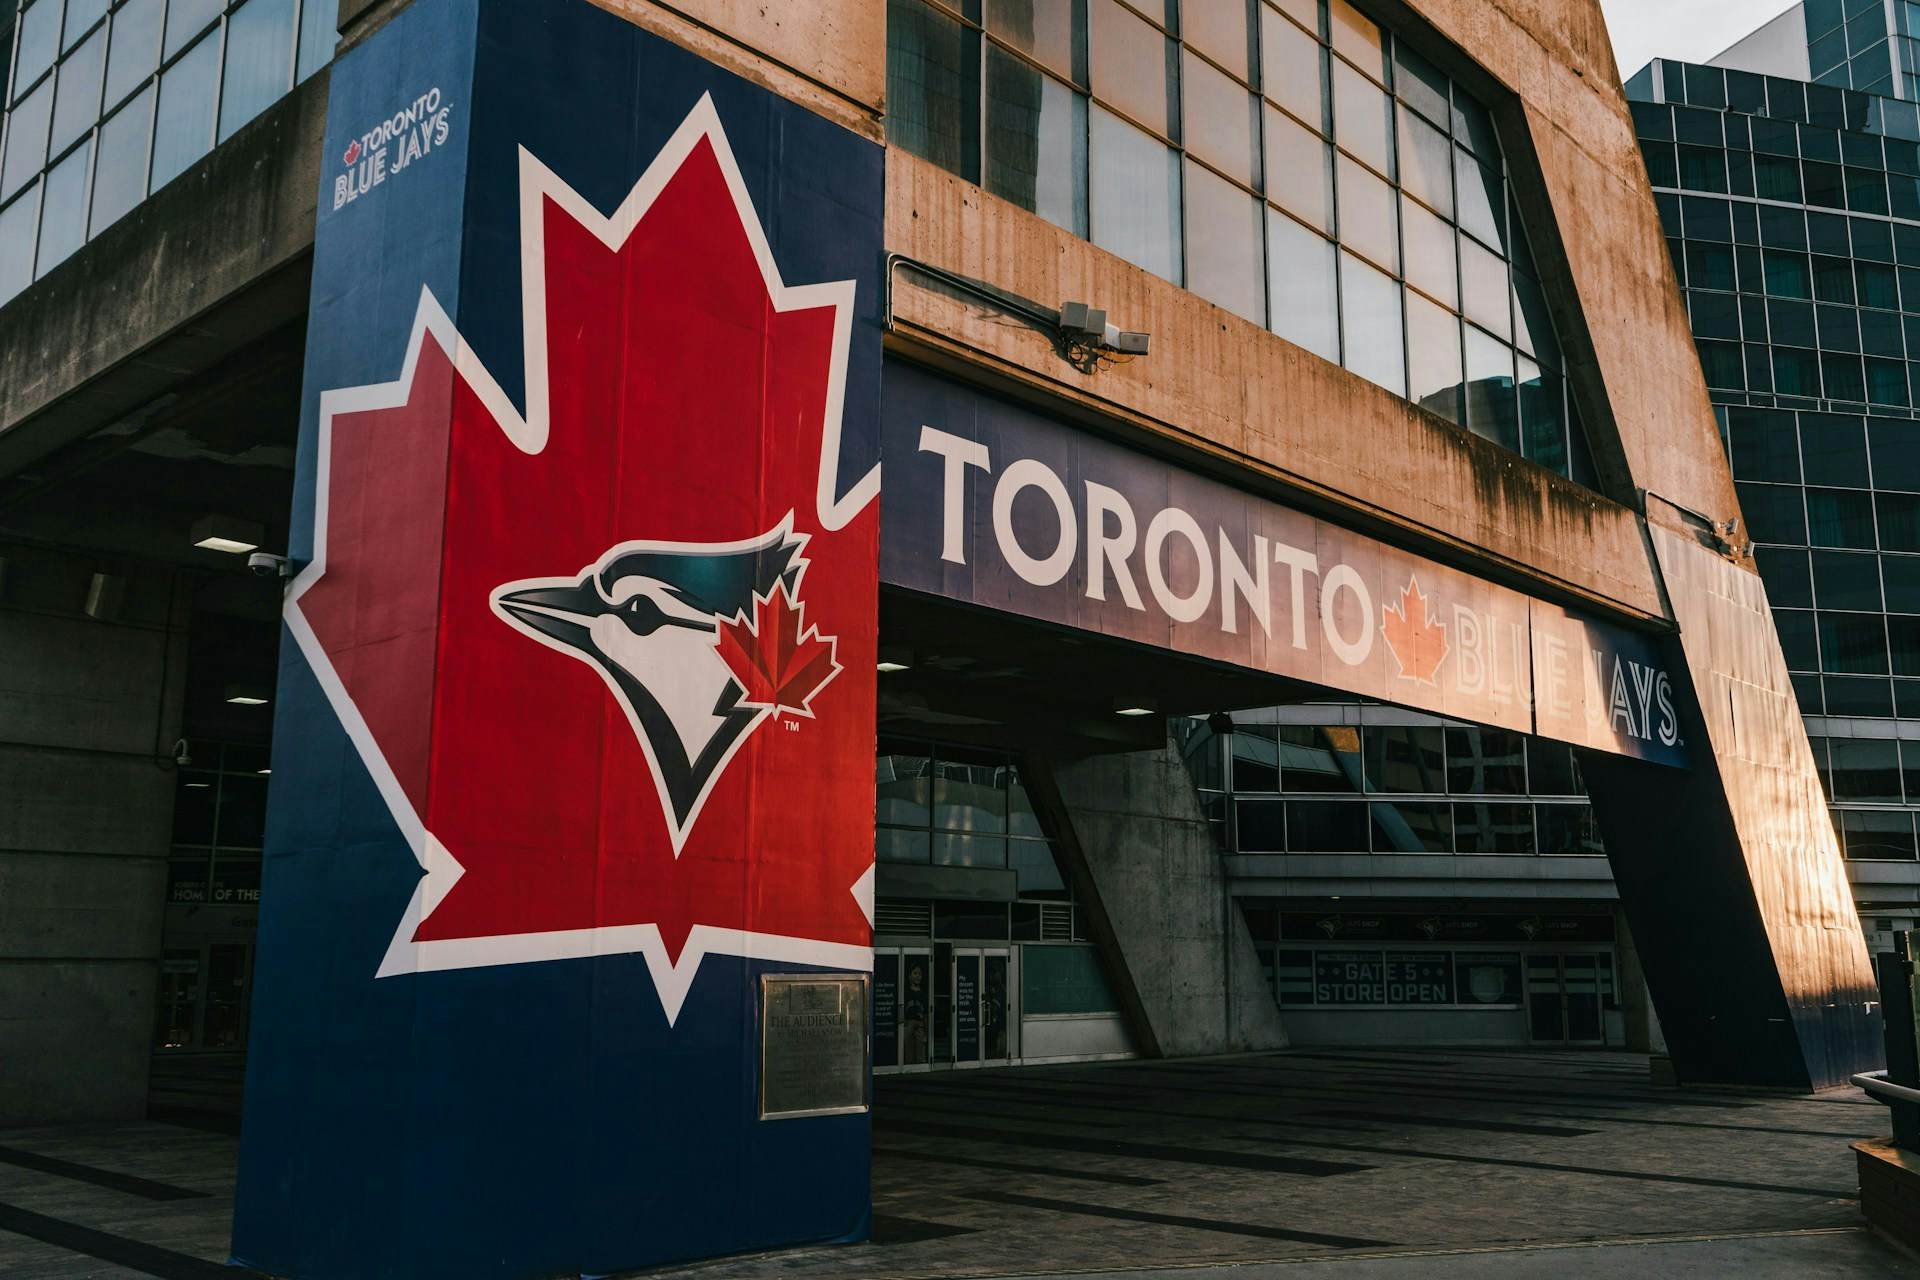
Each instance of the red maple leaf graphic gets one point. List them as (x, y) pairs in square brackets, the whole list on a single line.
[(680, 398), (781, 661), (1419, 644), (353, 152)]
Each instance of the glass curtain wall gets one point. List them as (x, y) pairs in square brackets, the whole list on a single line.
[(1793, 218), (108, 102), (1292, 161), (1395, 782)]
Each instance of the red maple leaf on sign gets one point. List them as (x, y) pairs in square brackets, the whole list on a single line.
[(1418, 643), (532, 622), (781, 661)]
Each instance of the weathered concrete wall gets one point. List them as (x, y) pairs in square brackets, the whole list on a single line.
[(1157, 893), (1729, 873), (87, 708), (205, 266)]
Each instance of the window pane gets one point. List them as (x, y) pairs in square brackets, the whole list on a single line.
[(1292, 67), (1132, 66), (1041, 29), (27, 138), (1218, 29), (1361, 124), (318, 37), (1839, 518), (18, 222), (135, 51), (1301, 295), (903, 786), (1319, 757), (1256, 758), (932, 78), (1568, 829), (1224, 245), (187, 19), (39, 40), (1483, 200), (81, 14), (259, 61), (63, 212), (1412, 826), (1136, 196), (1543, 416), (1866, 769), (1262, 826), (183, 127), (1489, 761), (1433, 358), (1483, 280), (1405, 758), (1367, 221), (1299, 170), (1493, 828), (1492, 409), (1220, 121), (1878, 834), (1036, 142), (1370, 324), (77, 101), (1424, 162), (1355, 37), (120, 175), (1326, 826), (1533, 327), (1430, 253)]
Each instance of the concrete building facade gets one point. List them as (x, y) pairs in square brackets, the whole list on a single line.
[(1412, 332)]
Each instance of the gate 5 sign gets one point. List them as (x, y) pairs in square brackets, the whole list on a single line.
[(993, 504)]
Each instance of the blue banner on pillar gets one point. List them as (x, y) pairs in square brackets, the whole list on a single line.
[(575, 721)]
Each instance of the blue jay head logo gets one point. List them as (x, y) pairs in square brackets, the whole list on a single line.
[(659, 621)]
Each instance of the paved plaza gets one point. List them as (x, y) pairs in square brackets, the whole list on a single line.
[(1341, 1163)]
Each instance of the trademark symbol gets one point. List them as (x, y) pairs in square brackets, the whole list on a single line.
[(793, 726)]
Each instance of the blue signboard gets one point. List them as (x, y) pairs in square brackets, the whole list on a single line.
[(576, 706), (996, 505)]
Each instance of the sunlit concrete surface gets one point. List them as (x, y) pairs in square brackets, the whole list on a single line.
[(1354, 1163)]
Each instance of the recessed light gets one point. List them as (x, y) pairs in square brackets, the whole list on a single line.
[(263, 772), (890, 667), (1133, 711), (249, 695), (228, 534), (197, 786), (893, 659)]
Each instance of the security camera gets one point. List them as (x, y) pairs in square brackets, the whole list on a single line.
[(264, 564)]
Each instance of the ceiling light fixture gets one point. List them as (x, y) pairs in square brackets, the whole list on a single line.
[(893, 659), (248, 695), (227, 533), (1132, 707)]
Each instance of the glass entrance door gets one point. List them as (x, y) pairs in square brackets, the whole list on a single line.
[(982, 1006), (902, 1008), (1566, 998)]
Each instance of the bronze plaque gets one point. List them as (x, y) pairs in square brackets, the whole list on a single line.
[(813, 1044)]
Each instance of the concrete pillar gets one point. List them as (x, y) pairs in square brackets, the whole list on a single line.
[(1178, 951), (89, 709), (1729, 874)]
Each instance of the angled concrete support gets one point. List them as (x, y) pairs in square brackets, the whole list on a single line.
[(1729, 872), (1179, 955)]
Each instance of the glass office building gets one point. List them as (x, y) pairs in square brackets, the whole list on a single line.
[(1792, 212)]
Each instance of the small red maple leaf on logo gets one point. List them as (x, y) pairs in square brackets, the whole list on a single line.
[(353, 151), (781, 661), (1418, 646)]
